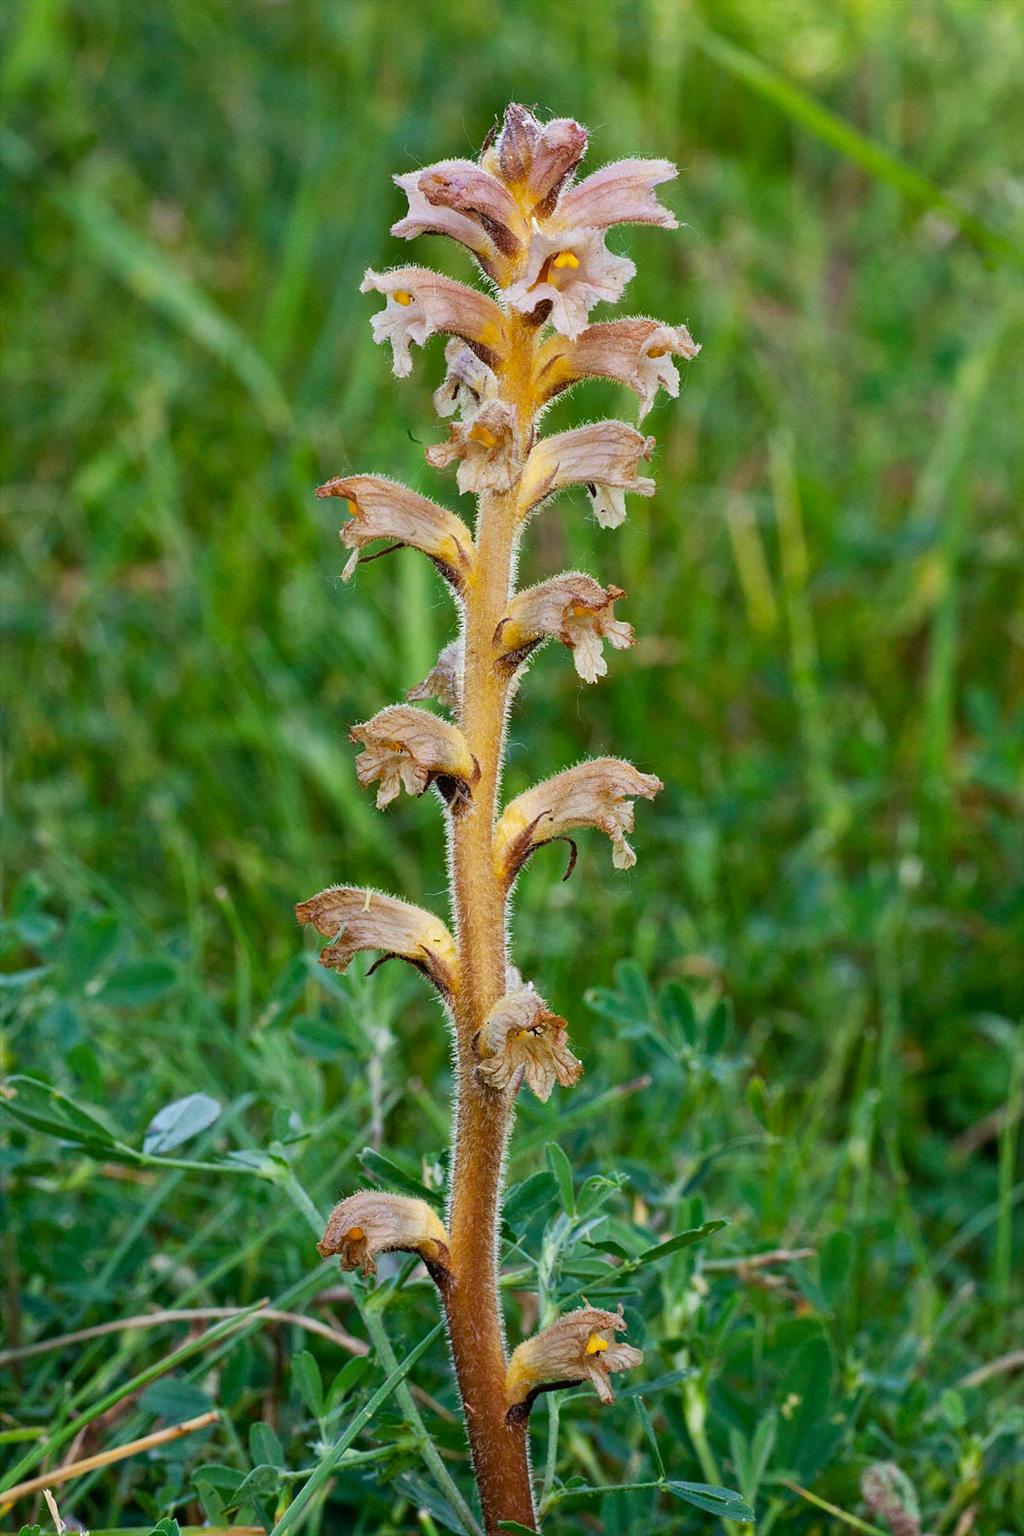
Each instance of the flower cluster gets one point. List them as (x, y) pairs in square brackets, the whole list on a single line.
[(540, 234)]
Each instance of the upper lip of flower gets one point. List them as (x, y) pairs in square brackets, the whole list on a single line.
[(355, 919), (384, 509)]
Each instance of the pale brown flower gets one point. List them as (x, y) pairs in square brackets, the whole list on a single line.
[(620, 193), (355, 918), (569, 270), (383, 509), (636, 352), (599, 793), (523, 1039), (573, 608), (371, 1222), (581, 1346), (467, 189), (603, 456), (421, 303), (426, 218), (484, 446), (410, 747), (444, 680)]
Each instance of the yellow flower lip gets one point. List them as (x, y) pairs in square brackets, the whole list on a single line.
[(566, 260), (352, 506), (355, 1235), (481, 434), (402, 296), (658, 352), (596, 1345)]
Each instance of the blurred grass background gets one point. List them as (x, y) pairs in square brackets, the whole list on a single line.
[(826, 589)]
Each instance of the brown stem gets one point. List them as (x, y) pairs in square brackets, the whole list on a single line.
[(483, 1118)]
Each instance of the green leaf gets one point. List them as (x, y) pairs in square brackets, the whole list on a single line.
[(306, 1375), (385, 1170), (718, 1025), (137, 984), (678, 1243), (724, 1502), (347, 1379), (503, 1525), (89, 942), (177, 1123), (174, 1399), (648, 1429), (834, 1265), (676, 1007), (529, 1198), (561, 1172), (804, 1394), (318, 1038), (264, 1446), (46, 1109)]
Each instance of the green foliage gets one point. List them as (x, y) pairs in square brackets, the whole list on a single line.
[(796, 1013)]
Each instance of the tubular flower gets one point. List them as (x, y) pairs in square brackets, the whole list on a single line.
[(410, 747), (484, 446), (420, 303), (595, 794), (468, 384), (581, 1346), (569, 271), (603, 456), (444, 680), (523, 1039), (635, 352), (466, 189), (620, 193), (383, 509), (371, 1222), (426, 218), (575, 609), (356, 919)]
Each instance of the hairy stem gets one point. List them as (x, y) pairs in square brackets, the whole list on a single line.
[(482, 1118)]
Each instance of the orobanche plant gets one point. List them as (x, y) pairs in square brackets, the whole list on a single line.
[(539, 237)]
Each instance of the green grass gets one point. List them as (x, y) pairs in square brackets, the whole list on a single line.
[(826, 589)]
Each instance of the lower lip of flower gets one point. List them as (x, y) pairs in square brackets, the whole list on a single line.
[(402, 297), (561, 261), (596, 1345)]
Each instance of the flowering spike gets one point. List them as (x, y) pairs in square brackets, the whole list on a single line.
[(371, 1222), (581, 1346), (355, 919), (540, 237), (522, 1039), (573, 608), (595, 794), (382, 509), (405, 746)]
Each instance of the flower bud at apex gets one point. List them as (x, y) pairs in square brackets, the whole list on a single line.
[(598, 794), (370, 1222), (383, 509), (572, 608), (581, 1346), (356, 919), (410, 747), (522, 1039)]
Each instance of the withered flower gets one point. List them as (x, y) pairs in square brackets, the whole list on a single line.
[(355, 918), (603, 456), (371, 1222), (599, 794), (581, 1346), (484, 445), (410, 747), (521, 1039), (636, 352), (468, 383), (421, 303), (573, 608), (383, 509), (444, 680)]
